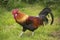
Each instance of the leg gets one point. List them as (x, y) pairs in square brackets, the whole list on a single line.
[(32, 33), (24, 29), (31, 28), (21, 34)]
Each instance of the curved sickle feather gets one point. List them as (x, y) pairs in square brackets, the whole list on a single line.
[(52, 18)]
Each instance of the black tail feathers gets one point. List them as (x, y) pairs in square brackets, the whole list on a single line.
[(44, 13), (52, 18), (44, 18)]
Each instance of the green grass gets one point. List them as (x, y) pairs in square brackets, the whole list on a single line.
[(9, 29)]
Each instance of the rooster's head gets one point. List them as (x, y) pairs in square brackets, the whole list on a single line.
[(15, 11)]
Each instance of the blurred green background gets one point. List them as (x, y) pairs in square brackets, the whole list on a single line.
[(9, 29)]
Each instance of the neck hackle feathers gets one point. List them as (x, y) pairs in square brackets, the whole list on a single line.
[(19, 16)]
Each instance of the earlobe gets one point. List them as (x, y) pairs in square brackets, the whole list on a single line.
[(15, 14)]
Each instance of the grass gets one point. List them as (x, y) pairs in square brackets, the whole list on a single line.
[(9, 29)]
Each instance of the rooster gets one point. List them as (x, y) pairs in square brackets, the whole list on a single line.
[(29, 22)]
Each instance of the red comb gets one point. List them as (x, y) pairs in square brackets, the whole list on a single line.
[(14, 11)]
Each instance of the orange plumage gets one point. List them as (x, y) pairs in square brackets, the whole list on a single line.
[(21, 17)]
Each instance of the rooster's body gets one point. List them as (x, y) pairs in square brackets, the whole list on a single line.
[(28, 22)]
